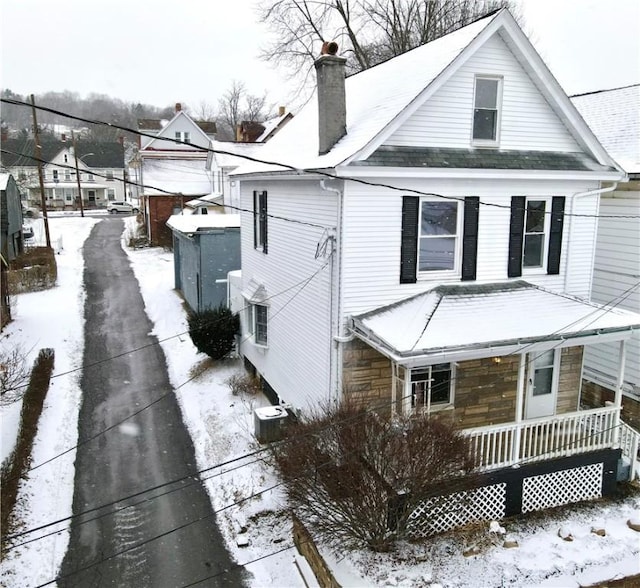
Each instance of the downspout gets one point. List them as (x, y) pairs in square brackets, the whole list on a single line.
[(575, 196), (336, 326)]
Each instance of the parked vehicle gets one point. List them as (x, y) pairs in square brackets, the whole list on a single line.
[(119, 206)]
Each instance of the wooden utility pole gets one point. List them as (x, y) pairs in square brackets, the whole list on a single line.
[(75, 155), (38, 154)]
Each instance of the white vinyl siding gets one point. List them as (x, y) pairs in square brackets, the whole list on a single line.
[(297, 361), (527, 121), (617, 271), (371, 241)]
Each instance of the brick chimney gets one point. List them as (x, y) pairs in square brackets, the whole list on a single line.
[(332, 108), (281, 110), (178, 107)]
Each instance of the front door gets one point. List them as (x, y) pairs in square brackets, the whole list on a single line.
[(542, 384)]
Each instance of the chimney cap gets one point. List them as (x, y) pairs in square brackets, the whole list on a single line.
[(329, 48)]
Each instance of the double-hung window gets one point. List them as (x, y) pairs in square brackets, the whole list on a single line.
[(258, 320), (486, 110), (431, 387), (439, 235), (260, 218), (535, 235), (183, 136)]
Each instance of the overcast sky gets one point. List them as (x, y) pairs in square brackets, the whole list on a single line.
[(165, 51)]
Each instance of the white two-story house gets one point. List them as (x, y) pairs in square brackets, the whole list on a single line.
[(427, 246)]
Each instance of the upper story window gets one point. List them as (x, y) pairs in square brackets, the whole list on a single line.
[(66, 158), (260, 218), (55, 175), (67, 175), (439, 236), (535, 234), (486, 110), (183, 136), (109, 174)]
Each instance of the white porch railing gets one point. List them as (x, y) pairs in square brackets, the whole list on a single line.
[(544, 438), (630, 444)]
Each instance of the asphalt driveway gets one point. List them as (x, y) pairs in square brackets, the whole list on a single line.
[(169, 537)]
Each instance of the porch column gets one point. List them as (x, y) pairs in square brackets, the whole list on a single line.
[(618, 397), (519, 407)]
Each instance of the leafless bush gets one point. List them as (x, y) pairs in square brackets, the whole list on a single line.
[(355, 477), (14, 372), (243, 384)]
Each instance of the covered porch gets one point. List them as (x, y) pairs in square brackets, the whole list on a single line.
[(504, 363)]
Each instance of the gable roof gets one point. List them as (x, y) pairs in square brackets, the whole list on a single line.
[(380, 99), (434, 325), (165, 132), (614, 116), (104, 154)]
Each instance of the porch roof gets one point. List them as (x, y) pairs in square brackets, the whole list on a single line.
[(452, 322)]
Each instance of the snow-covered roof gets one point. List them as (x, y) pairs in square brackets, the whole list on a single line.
[(458, 318), (224, 152), (176, 176), (271, 125), (614, 117), (192, 223), (204, 200)]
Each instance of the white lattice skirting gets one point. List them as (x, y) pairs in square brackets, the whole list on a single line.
[(563, 487), (437, 515)]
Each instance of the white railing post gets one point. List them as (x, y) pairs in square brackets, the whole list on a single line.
[(619, 385), (515, 456)]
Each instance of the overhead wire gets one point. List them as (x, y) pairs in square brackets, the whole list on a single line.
[(372, 408), (292, 168)]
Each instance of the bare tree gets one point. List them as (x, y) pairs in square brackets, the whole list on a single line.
[(236, 106), (357, 477), (368, 31)]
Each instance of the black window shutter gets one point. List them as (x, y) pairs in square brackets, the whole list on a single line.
[(555, 235), (255, 219), (516, 233), (470, 237), (263, 220), (409, 240)]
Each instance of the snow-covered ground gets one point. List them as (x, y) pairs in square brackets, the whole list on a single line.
[(245, 492)]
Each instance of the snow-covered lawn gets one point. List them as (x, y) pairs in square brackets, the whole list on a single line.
[(244, 491)]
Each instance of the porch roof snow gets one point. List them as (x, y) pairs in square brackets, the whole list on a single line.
[(176, 176), (192, 223), (459, 317)]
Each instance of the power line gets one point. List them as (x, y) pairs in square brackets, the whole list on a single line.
[(288, 167), (385, 404)]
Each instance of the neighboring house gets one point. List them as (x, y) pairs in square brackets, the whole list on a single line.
[(439, 259), (100, 164), (614, 117), (260, 132), (172, 170), (205, 249), (11, 241)]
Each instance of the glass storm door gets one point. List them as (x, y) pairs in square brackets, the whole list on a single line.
[(542, 387)]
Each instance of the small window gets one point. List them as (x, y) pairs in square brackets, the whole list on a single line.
[(66, 158), (260, 218), (90, 177), (438, 237), (67, 175), (535, 225), (257, 319), (431, 387), (486, 111), (183, 136), (109, 174), (55, 175)]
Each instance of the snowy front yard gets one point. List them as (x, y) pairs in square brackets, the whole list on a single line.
[(245, 493)]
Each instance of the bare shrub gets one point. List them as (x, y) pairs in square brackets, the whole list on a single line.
[(356, 477), (243, 384), (14, 372)]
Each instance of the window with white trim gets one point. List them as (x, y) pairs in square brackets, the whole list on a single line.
[(257, 322), (486, 109), (535, 231), (55, 175), (183, 136), (111, 194), (260, 219), (109, 174), (431, 387), (439, 236)]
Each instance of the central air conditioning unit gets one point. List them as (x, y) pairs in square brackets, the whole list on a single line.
[(269, 423)]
